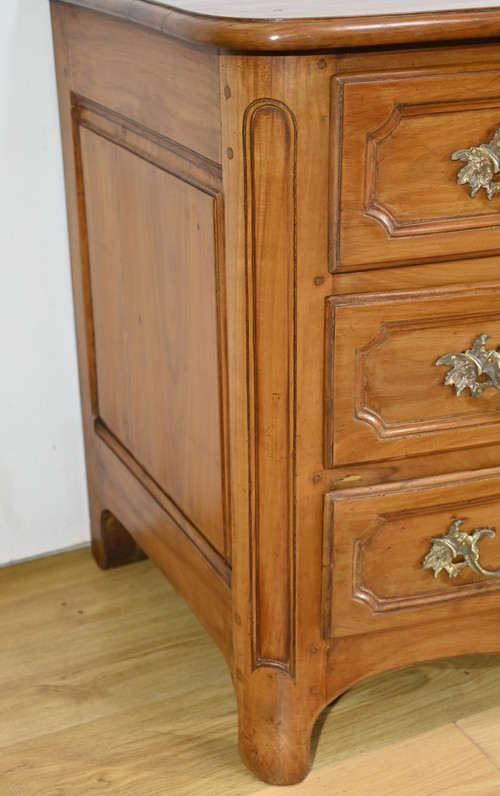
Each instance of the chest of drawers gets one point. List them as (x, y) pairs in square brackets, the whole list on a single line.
[(288, 314)]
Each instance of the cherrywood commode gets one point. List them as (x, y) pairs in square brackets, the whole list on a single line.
[(282, 301)]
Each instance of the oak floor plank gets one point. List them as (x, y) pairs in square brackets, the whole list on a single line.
[(484, 729), (88, 664), (149, 750), (109, 685), (72, 598), (402, 703), (443, 762)]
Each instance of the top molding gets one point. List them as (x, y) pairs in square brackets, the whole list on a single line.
[(282, 27)]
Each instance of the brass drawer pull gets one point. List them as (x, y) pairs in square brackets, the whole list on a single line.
[(470, 365), (483, 162), (457, 544)]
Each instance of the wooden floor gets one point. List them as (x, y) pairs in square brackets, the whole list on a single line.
[(108, 686)]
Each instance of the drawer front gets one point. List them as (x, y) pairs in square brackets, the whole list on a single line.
[(385, 394), (395, 197), (381, 549)]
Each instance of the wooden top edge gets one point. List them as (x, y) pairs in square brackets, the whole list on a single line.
[(299, 34)]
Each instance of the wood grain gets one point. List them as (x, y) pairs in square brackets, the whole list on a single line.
[(375, 545), (326, 27), (481, 729), (317, 8), (412, 770), (271, 200), (154, 323), (383, 351), (108, 686), (154, 97), (399, 200), (200, 210)]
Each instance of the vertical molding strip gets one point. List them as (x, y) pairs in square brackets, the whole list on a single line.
[(270, 137)]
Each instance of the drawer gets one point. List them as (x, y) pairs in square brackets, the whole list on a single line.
[(377, 540), (385, 395), (395, 198)]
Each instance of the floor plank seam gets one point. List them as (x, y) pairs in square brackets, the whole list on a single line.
[(478, 746), (136, 716)]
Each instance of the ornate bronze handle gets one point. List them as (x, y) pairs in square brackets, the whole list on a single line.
[(468, 366), (483, 162), (457, 544)]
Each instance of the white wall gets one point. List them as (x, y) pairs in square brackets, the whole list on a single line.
[(42, 486)]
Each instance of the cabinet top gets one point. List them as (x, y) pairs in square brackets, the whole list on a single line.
[(285, 25)]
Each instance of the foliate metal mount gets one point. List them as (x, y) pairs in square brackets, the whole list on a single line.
[(468, 366), (459, 545), (482, 163)]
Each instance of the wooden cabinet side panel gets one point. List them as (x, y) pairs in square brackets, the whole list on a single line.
[(146, 177), (153, 274), (162, 535), (166, 85), (77, 239)]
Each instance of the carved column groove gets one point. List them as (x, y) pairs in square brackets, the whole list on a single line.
[(270, 209)]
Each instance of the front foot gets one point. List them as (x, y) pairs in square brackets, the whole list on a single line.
[(275, 728), (276, 760)]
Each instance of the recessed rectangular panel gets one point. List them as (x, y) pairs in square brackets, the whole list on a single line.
[(386, 395), (153, 269), (397, 200)]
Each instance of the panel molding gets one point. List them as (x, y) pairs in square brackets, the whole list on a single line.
[(352, 358), (211, 556), (163, 152), (204, 175), (270, 154), (378, 604), (385, 212), (373, 208), (346, 551), (380, 425)]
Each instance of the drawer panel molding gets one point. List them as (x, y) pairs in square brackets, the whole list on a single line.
[(393, 137), (384, 395), (380, 548)]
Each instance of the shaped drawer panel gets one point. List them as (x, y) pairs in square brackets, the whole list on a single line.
[(397, 200), (376, 542), (385, 395)]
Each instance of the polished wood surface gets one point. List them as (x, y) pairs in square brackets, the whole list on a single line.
[(397, 132), (101, 53), (293, 29), (294, 9), (84, 651), (155, 330), (376, 542), (384, 349), (262, 290)]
